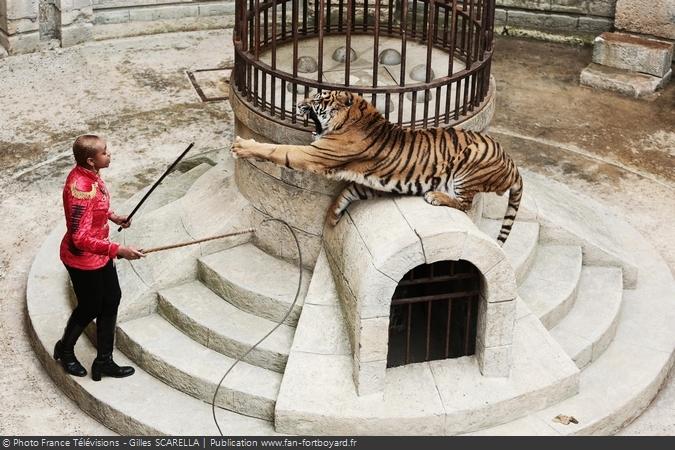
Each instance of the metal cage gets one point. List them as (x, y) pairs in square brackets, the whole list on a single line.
[(434, 313), (422, 62)]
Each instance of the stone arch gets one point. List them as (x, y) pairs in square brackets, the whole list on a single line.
[(378, 242)]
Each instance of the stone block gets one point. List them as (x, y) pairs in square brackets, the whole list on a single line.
[(442, 230), (111, 16), (216, 9), (481, 251), (654, 17), (373, 337), (626, 51), (21, 26), (494, 361), (496, 322), (394, 251), (593, 25), (542, 5), (625, 82), (569, 6), (369, 377), (163, 12), (21, 43), (542, 21), (22, 9), (499, 283), (3, 52), (604, 8), (302, 209), (76, 34), (85, 15), (349, 256)]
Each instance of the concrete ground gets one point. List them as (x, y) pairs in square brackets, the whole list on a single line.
[(135, 92)]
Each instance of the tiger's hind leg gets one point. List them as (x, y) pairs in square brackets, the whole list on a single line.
[(349, 194), (438, 198)]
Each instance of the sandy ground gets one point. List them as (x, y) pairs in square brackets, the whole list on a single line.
[(135, 92)]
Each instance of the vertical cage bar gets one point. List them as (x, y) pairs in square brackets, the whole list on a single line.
[(413, 32), (273, 78), (321, 33), (451, 58), (348, 40), (467, 331), (304, 18), (390, 17), (294, 97), (365, 15), (447, 329), (404, 46), (376, 47), (284, 19), (340, 14), (328, 18), (428, 348), (316, 15), (430, 45), (407, 334)]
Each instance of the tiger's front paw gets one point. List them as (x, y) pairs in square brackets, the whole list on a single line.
[(433, 198), (243, 148)]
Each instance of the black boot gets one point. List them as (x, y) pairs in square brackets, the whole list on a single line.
[(64, 349), (105, 340)]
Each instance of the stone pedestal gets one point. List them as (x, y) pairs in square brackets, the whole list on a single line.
[(629, 64)]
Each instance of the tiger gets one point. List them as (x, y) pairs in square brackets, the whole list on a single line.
[(354, 142)]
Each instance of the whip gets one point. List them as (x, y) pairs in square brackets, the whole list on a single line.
[(166, 172)]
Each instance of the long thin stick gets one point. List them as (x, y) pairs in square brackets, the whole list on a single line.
[(147, 194), (197, 241)]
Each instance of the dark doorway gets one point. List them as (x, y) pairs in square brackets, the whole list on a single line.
[(434, 313)]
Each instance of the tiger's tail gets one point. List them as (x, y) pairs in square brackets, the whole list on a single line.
[(515, 195)]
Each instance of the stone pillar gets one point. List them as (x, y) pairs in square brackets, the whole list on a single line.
[(19, 26), (75, 21)]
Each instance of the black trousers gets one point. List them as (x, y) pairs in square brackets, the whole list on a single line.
[(98, 293)]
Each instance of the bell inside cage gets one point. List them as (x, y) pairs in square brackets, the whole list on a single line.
[(421, 62)]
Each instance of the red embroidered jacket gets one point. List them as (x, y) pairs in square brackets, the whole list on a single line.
[(87, 208)]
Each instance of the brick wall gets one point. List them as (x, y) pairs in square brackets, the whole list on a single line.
[(557, 16)]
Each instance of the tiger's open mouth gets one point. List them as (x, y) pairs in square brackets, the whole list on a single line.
[(317, 123)]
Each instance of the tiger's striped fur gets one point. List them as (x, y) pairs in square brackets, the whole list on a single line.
[(356, 143)]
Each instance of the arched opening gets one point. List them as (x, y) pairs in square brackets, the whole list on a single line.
[(434, 312)]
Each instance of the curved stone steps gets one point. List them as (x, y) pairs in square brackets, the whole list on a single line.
[(143, 405), (615, 388), (590, 326), (208, 319), (171, 356), (550, 287), (255, 281), (521, 245)]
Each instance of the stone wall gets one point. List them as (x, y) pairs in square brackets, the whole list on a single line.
[(584, 17), (33, 25)]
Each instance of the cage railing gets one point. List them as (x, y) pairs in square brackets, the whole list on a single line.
[(461, 29)]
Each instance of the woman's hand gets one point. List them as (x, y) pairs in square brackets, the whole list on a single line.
[(129, 252), (120, 220)]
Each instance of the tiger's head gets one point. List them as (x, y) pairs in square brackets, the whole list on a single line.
[(328, 110)]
